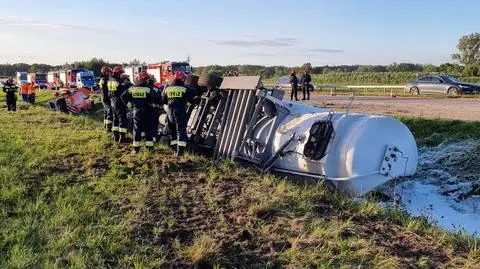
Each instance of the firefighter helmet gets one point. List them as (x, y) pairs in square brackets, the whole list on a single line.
[(179, 75), (105, 70), (118, 70), (143, 76)]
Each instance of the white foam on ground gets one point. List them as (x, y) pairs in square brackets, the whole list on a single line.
[(437, 190)]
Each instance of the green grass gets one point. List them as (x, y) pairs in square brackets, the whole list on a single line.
[(69, 198), (432, 132)]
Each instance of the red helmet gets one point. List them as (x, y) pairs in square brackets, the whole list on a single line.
[(118, 70), (179, 75), (143, 75), (105, 69)]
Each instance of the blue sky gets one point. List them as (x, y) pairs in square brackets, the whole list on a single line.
[(236, 32)]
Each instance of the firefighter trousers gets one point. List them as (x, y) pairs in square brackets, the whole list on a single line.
[(107, 111), (177, 124), (11, 102), (142, 123), (153, 122), (119, 110)]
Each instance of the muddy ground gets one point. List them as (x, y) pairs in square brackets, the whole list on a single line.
[(445, 108)]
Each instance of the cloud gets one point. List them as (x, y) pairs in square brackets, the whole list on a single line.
[(326, 50), (25, 22), (275, 42), (161, 21)]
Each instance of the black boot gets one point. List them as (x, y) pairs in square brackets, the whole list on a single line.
[(115, 135)]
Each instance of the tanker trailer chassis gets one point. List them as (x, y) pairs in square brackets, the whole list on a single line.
[(241, 120)]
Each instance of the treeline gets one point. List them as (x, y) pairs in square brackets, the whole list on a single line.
[(95, 64), (275, 71)]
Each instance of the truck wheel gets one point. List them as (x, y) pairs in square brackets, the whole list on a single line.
[(61, 105), (209, 80)]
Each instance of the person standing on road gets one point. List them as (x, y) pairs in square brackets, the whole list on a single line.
[(116, 87), (10, 90), (31, 93), (305, 81), (105, 74), (141, 95), (177, 96), (294, 83)]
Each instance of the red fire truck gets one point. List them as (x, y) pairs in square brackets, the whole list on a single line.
[(163, 72)]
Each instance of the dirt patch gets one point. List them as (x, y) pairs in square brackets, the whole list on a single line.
[(398, 242), (445, 108)]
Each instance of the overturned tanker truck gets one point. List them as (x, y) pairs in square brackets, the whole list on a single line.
[(237, 118)]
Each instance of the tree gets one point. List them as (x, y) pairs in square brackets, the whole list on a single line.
[(471, 70), (469, 49), (306, 66), (430, 68)]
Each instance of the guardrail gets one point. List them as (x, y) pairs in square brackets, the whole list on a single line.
[(365, 88)]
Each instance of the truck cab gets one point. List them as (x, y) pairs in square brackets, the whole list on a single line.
[(85, 79), (21, 78), (41, 80), (164, 71)]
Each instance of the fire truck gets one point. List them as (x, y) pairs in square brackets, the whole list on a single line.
[(68, 77), (163, 72)]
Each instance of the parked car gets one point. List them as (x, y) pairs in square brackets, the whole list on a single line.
[(283, 83), (443, 84)]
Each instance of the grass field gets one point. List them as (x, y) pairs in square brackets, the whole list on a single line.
[(71, 198)]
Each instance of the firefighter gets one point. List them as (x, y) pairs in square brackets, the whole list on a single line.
[(156, 105), (31, 93), (116, 87), (10, 89), (141, 95), (105, 74), (305, 81), (177, 96), (294, 83)]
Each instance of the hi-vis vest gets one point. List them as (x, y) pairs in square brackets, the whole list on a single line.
[(174, 92), (139, 92), (112, 85)]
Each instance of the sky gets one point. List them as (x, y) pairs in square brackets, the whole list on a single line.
[(265, 32)]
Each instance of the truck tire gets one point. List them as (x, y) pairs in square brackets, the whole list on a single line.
[(61, 105), (192, 81), (209, 80)]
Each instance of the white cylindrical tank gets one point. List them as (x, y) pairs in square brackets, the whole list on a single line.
[(364, 152)]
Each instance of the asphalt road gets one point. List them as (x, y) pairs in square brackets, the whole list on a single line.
[(448, 108)]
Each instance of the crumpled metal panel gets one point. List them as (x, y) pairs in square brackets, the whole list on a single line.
[(241, 83)]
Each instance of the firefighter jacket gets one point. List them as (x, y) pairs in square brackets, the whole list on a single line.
[(141, 96), (178, 95), (10, 89), (103, 86), (116, 86)]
